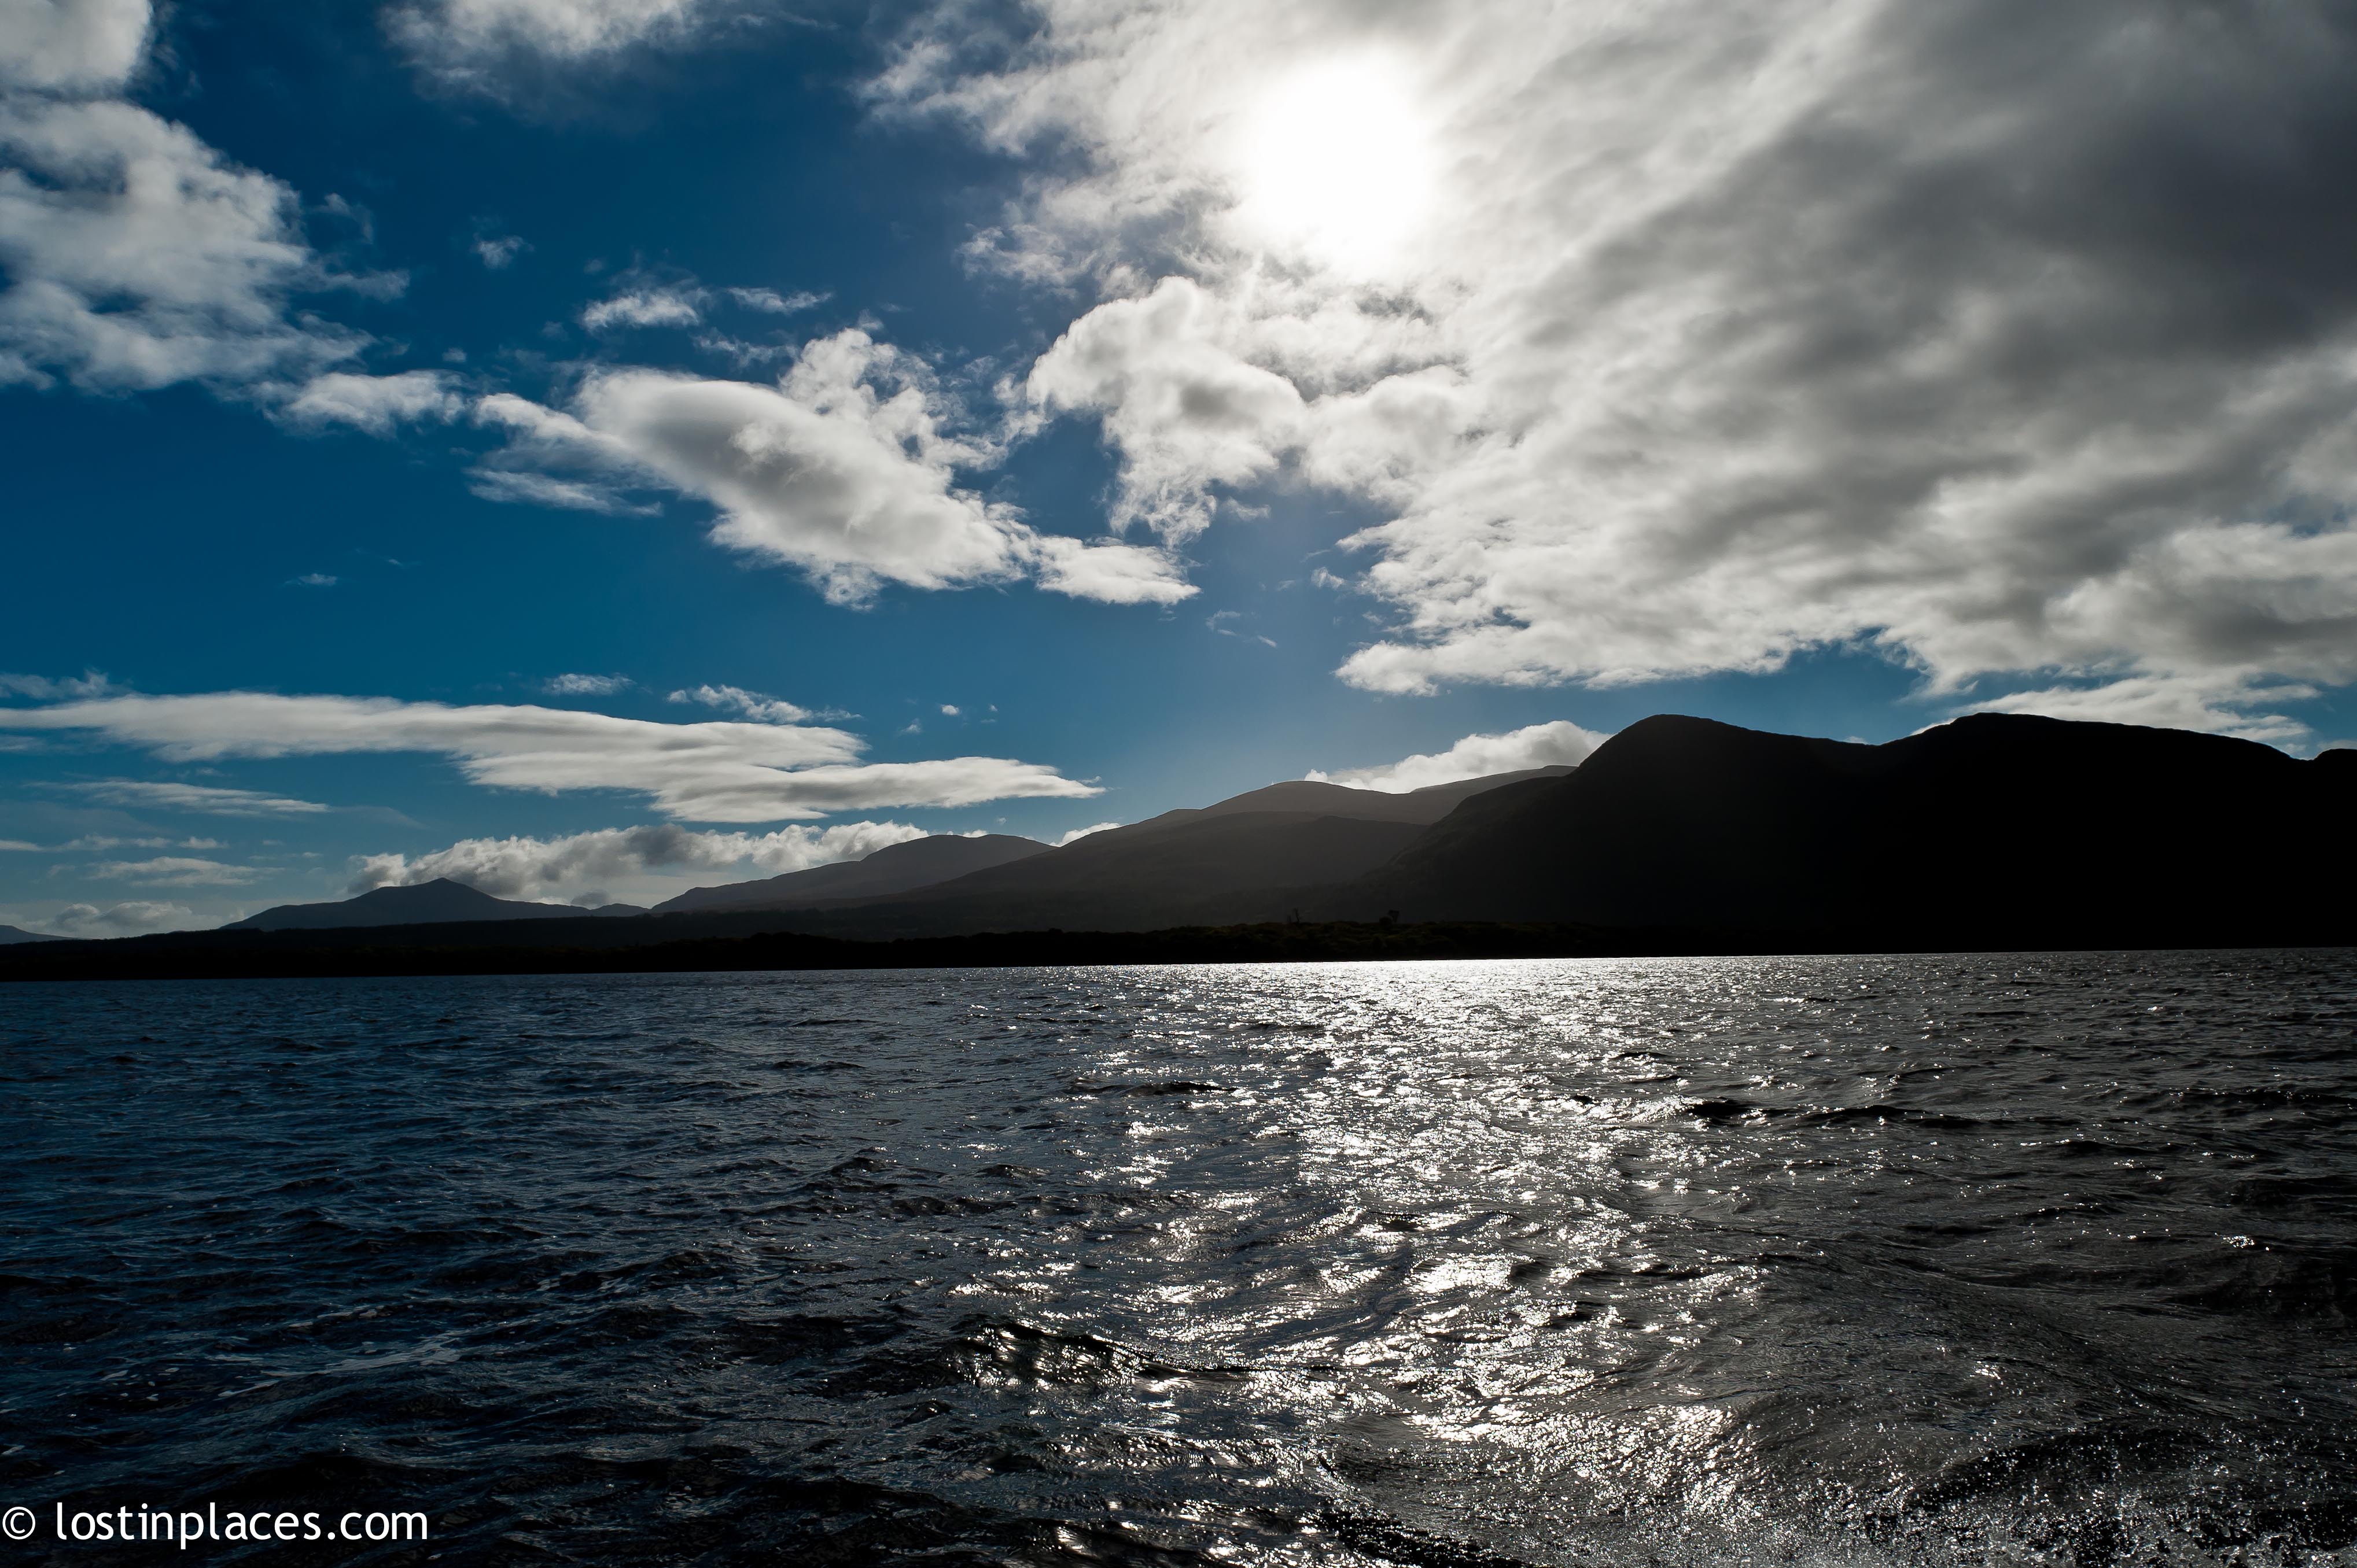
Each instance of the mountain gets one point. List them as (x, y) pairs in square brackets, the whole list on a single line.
[(16, 934), (1195, 862), (1248, 857), (428, 903), (1316, 797), (897, 868), (1993, 830)]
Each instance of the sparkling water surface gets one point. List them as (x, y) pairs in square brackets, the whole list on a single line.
[(1946, 1259)]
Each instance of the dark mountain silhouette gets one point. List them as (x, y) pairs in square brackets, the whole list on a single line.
[(1316, 797), (428, 903), (1993, 830), (1245, 858), (1679, 835), (18, 934), (1235, 859), (897, 868)]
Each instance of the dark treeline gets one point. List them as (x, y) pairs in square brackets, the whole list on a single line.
[(320, 955)]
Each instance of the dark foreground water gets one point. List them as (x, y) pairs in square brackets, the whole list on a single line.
[(1696, 1262)]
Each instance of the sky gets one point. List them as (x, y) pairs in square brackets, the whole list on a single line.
[(594, 448)]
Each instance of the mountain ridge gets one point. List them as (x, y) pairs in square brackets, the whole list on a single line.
[(894, 868), (437, 902)]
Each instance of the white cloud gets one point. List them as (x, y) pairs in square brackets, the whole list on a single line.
[(313, 580), (1710, 336), (207, 799), (1078, 834), (101, 842), (173, 871), (463, 38), (1476, 757), (646, 308), (2216, 704), (71, 45), (845, 468), (89, 684), (771, 301), (711, 771), (1185, 411), (949, 709), (138, 257), (130, 919), (543, 489), (574, 685), (757, 705), (16, 844), (497, 253), (377, 405), (565, 867)]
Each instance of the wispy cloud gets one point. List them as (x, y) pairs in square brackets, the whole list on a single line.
[(207, 800), (499, 251), (772, 302), (175, 871), (706, 771), (466, 42), (375, 404), (646, 308), (89, 684), (757, 705), (576, 685)]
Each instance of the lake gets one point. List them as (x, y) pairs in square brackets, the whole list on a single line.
[(1920, 1260)]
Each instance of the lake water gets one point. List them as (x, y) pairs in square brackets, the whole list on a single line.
[(1845, 1261)]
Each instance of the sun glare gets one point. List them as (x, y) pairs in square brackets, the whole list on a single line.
[(1337, 162)]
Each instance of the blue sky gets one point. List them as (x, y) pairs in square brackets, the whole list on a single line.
[(1031, 417)]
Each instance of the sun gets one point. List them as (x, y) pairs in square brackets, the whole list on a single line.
[(1336, 162)]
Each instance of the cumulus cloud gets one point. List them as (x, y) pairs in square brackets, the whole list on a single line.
[(137, 255), (711, 771), (377, 405), (1561, 742), (71, 45), (1663, 340), (574, 685), (19, 844), (845, 468), (1185, 411), (1078, 834), (207, 800), (128, 919), (173, 871), (564, 867)]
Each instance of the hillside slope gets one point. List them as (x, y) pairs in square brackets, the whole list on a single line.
[(1993, 828)]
